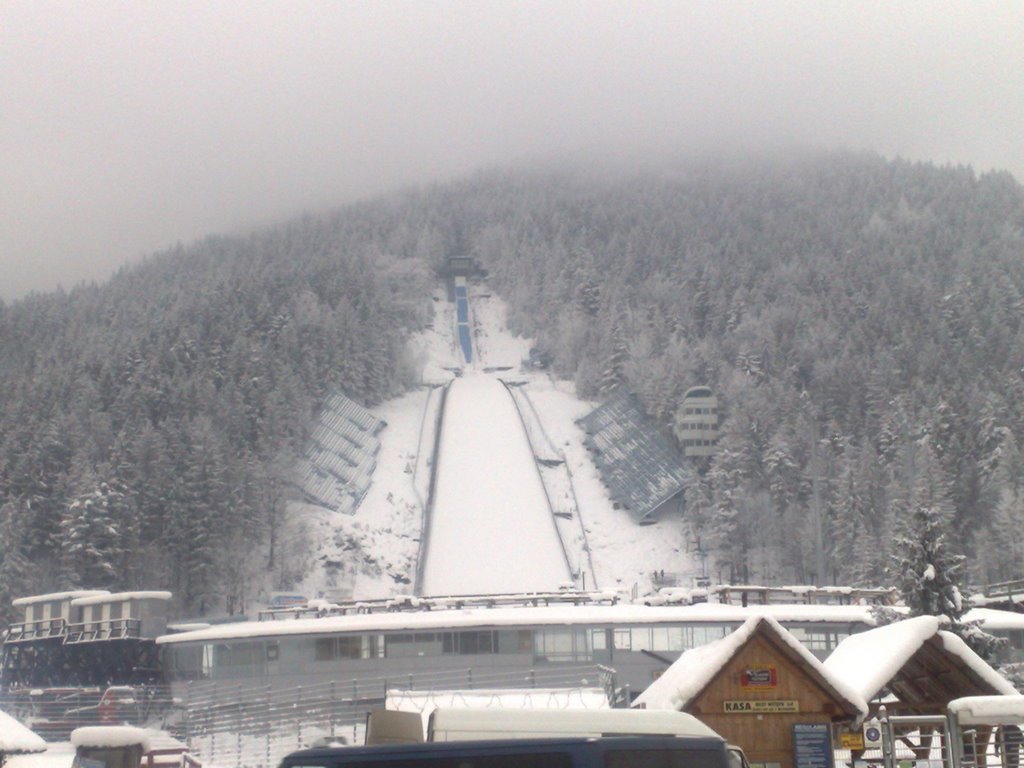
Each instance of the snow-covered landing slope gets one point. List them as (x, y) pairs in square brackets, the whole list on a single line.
[(491, 529), (375, 550)]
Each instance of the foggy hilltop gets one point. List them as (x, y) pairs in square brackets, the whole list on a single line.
[(859, 319)]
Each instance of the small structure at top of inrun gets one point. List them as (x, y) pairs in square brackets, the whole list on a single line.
[(639, 465), (696, 424), (460, 265)]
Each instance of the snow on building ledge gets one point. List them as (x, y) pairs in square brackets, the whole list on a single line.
[(111, 736), (58, 596), (113, 597), (988, 710)]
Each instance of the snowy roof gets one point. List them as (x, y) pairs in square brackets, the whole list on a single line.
[(595, 615), (188, 626), (54, 596), (992, 619), (868, 660), (988, 710), (638, 464), (16, 738), (682, 682), (976, 664), (118, 596), (110, 736), (871, 661)]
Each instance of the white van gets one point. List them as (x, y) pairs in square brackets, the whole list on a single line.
[(475, 724)]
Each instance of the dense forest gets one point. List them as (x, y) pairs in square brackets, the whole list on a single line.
[(148, 426), (858, 318)]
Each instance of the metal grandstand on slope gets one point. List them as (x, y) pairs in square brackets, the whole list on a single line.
[(342, 455), (640, 467)]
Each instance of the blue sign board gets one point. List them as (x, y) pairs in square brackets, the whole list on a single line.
[(812, 745)]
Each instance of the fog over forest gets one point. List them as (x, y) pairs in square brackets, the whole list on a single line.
[(129, 127), (813, 209)]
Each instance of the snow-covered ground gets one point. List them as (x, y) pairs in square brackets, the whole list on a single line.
[(491, 530), (375, 550)]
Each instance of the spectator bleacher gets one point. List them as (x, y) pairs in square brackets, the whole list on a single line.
[(640, 467), (341, 456)]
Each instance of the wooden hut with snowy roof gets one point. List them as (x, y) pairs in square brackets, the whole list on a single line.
[(757, 687), (16, 739), (917, 666)]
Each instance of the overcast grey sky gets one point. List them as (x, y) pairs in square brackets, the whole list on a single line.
[(128, 126)]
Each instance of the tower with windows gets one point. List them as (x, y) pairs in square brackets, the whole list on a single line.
[(697, 422)]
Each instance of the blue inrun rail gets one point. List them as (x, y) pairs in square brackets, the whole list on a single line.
[(462, 319)]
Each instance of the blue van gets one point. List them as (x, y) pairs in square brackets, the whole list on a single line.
[(574, 752)]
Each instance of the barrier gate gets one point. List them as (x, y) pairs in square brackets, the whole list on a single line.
[(977, 732), (923, 741)]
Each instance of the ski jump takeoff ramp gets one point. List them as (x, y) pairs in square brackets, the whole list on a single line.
[(491, 529)]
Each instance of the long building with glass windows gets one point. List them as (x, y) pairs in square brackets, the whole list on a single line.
[(505, 644)]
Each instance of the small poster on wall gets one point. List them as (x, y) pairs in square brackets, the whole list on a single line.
[(812, 745), (759, 677)]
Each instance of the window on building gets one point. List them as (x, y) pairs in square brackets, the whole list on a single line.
[(562, 645), (343, 647), (238, 655), (621, 639), (640, 638), (515, 641), (476, 642)]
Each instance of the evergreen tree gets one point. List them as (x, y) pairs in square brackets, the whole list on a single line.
[(14, 561), (926, 570), (90, 538), (613, 370)]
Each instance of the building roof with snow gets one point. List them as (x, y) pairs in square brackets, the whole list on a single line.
[(111, 736), (988, 710), (993, 619), (457, 617), (684, 681), (53, 597), (16, 739), (638, 464), (923, 666), (115, 597)]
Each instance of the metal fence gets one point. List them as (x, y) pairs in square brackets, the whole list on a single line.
[(932, 741), (247, 726), (54, 712)]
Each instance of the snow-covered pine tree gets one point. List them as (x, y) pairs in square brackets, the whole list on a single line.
[(927, 571), (613, 370), (90, 538), (14, 564)]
